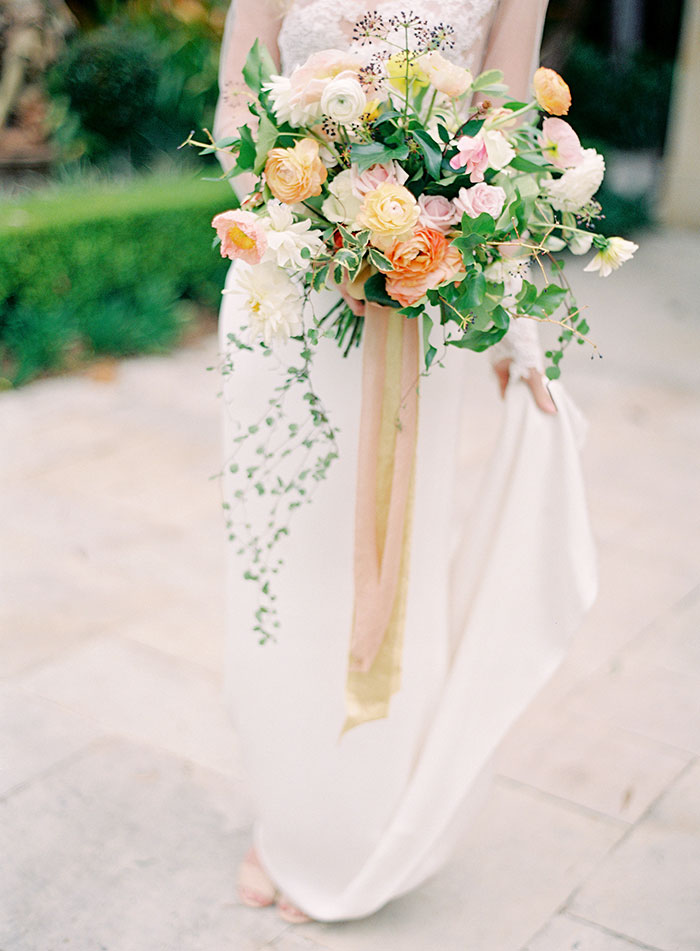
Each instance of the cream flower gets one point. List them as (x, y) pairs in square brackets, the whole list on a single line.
[(446, 77), (272, 300), (580, 242), (342, 204), (390, 212), (343, 100), (577, 185), (498, 148), (612, 257), (286, 237)]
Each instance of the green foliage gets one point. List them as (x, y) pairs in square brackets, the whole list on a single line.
[(135, 86), (101, 270), (628, 106)]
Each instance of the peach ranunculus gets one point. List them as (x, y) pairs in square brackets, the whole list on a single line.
[(446, 77), (242, 235), (296, 173), (551, 91), (390, 212), (423, 261)]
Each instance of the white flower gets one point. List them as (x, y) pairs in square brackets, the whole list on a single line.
[(286, 237), (511, 272), (577, 185), (498, 148), (343, 100), (580, 242), (612, 257), (273, 301), (342, 204), (287, 104)]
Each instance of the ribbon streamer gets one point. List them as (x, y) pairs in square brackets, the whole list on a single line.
[(383, 510)]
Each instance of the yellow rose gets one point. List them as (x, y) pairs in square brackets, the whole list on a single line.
[(297, 173), (390, 212), (398, 70), (551, 91)]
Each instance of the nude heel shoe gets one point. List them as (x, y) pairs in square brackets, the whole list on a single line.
[(254, 886), (290, 913)]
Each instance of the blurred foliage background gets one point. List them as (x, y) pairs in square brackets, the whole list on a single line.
[(105, 246)]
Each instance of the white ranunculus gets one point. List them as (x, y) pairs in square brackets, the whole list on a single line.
[(343, 100), (612, 257), (342, 205), (577, 185), (273, 302), (286, 237)]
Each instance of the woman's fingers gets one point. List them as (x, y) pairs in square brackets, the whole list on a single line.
[(537, 383), (502, 371), (535, 380)]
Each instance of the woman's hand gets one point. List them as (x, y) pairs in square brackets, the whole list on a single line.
[(535, 380)]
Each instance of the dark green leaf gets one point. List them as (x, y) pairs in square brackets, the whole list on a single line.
[(375, 291)]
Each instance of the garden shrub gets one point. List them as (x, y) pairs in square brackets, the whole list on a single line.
[(102, 269)]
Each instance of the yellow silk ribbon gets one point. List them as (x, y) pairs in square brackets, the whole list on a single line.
[(383, 511)]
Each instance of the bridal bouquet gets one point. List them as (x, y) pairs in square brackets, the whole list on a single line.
[(388, 172)]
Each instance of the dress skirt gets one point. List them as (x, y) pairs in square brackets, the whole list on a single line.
[(346, 821)]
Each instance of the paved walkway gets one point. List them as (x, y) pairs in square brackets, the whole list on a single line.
[(124, 807)]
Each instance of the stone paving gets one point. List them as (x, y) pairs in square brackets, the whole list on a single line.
[(124, 804)]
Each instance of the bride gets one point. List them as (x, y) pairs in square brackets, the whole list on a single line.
[(359, 799)]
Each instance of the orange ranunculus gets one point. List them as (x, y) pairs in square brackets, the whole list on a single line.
[(424, 260), (297, 173), (551, 91)]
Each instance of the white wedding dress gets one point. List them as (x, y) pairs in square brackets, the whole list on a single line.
[(346, 823)]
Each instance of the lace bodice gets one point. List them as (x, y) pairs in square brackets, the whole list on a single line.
[(312, 25)]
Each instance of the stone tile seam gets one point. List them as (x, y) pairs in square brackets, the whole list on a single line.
[(569, 804), (592, 924), (642, 945), (626, 833)]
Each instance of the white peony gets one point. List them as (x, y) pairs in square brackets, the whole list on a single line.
[(286, 237), (343, 100), (577, 185), (612, 257), (343, 204), (287, 104), (272, 300)]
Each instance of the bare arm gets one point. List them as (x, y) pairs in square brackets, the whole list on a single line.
[(513, 45), (246, 21)]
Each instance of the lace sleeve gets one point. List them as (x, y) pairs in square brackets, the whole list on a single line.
[(246, 21)]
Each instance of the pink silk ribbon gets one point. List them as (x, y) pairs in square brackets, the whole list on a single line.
[(383, 510)]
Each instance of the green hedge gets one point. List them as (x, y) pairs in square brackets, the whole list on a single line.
[(103, 269)]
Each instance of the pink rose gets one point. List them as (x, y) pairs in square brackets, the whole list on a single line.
[(472, 157), (436, 212), (242, 235), (389, 173), (480, 198), (560, 143)]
